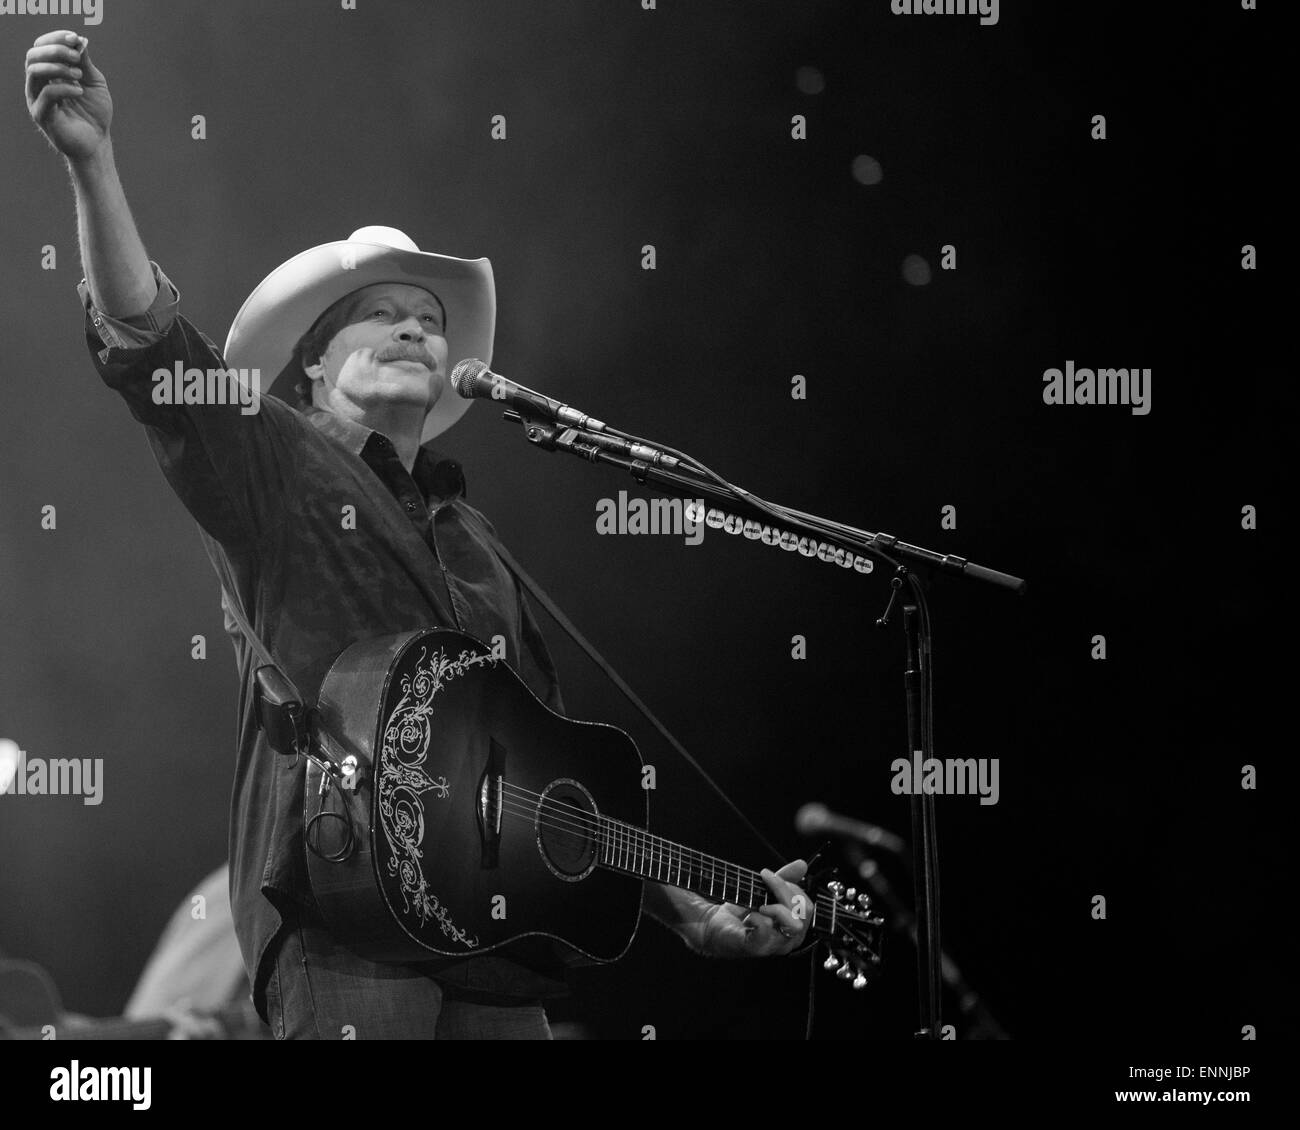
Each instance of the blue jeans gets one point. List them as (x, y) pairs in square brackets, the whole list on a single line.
[(320, 990)]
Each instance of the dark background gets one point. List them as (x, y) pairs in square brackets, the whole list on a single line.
[(672, 127)]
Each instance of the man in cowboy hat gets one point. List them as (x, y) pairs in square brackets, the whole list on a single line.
[(330, 518)]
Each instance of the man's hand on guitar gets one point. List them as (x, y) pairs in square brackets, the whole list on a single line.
[(773, 930)]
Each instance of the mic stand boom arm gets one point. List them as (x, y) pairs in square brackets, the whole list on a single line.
[(594, 448), (647, 466)]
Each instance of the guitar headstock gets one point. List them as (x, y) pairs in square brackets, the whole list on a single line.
[(851, 931)]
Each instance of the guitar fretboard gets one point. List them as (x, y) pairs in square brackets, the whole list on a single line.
[(623, 847)]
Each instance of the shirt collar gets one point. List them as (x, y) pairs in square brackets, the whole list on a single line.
[(347, 433), (434, 473)]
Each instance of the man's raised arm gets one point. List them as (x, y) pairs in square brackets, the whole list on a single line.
[(67, 97), (218, 450)]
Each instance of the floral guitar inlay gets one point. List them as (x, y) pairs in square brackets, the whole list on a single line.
[(402, 781)]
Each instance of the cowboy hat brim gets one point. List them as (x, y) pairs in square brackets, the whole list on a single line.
[(286, 304)]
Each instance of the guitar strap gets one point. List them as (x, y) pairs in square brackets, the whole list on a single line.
[(233, 604)]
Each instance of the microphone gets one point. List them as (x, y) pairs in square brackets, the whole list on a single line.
[(472, 379), (818, 820)]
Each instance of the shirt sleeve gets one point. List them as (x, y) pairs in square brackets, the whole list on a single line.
[(230, 454), (139, 329)]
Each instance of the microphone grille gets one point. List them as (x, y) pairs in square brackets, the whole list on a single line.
[(466, 374)]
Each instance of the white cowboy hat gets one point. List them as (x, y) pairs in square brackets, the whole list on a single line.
[(286, 304)]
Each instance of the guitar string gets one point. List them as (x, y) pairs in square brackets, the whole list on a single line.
[(825, 903), (637, 837), (636, 833), (532, 813), (588, 825), (584, 814), (618, 844)]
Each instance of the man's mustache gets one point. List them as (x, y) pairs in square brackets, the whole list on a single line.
[(406, 353)]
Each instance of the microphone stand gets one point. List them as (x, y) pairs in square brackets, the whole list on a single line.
[(981, 1023), (918, 675)]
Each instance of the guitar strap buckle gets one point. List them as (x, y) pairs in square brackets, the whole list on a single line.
[(280, 712), (292, 730)]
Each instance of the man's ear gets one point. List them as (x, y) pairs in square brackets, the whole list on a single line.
[(314, 378)]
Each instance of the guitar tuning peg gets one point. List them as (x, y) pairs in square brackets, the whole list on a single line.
[(851, 893), (864, 902), (844, 972), (831, 961), (860, 981), (836, 889)]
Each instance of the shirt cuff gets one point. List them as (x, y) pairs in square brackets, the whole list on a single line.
[(139, 330)]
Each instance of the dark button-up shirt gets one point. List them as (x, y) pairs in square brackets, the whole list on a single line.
[(328, 540)]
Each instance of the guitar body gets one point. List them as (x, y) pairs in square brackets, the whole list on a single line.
[(468, 829)]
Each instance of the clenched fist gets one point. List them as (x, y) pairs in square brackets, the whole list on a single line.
[(67, 95)]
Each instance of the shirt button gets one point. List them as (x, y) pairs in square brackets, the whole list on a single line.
[(411, 507)]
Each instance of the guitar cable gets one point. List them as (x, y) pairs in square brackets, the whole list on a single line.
[(349, 844), (314, 728)]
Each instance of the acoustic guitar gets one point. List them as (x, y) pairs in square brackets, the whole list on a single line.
[(474, 820)]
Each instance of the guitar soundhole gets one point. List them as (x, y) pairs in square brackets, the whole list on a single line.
[(566, 826)]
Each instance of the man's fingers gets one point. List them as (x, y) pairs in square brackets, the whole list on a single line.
[(56, 58), (782, 918), (758, 926), (93, 73), (60, 47), (38, 84), (764, 937), (776, 885), (51, 94), (54, 53), (795, 870), (783, 883), (63, 35), (54, 70), (789, 897)]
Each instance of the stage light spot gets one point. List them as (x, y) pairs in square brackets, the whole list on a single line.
[(867, 170), (916, 270), (809, 80)]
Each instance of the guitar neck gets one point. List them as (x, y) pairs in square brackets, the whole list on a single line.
[(634, 851)]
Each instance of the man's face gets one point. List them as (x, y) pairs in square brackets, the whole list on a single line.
[(390, 352)]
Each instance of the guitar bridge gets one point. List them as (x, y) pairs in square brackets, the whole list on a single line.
[(491, 805)]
